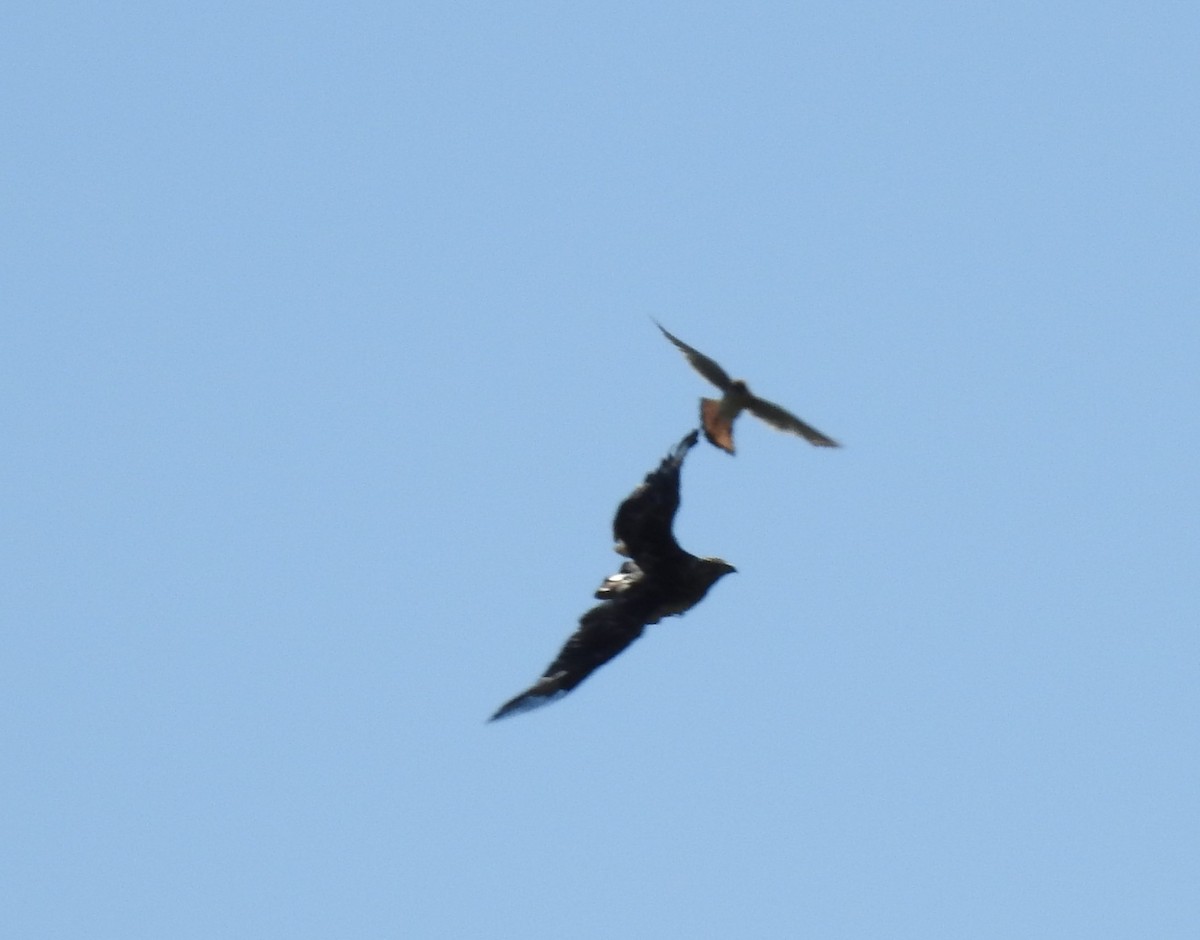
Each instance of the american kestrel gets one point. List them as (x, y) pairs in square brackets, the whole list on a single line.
[(717, 417)]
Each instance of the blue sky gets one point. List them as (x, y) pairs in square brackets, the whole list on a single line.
[(329, 355)]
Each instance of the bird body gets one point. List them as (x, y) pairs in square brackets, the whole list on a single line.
[(717, 416), (658, 580)]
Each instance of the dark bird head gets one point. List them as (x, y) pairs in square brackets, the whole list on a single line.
[(708, 571), (719, 568), (690, 585)]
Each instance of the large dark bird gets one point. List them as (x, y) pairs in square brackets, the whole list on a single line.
[(659, 580), (717, 416)]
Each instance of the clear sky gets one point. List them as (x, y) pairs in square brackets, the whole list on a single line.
[(327, 354)]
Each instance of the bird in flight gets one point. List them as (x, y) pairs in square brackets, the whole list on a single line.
[(658, 580), (717, 417)]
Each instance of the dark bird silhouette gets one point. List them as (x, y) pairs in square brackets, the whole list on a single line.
[(659, 580), (717, 417)]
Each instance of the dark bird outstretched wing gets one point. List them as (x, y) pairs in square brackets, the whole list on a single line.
[(700, 362), (604, 631), (642, 525), (784, 420)]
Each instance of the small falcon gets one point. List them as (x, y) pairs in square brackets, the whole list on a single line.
[(659, 580), (717, 417)]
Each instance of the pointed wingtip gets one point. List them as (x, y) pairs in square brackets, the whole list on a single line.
[(817, 439), (501, 713), (671, 337), (525, 702), (680, 450), (512, 707)]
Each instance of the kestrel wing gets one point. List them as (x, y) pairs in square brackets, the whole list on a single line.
[(700, 362), (786, 421), (642, 524), (604, 632)]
